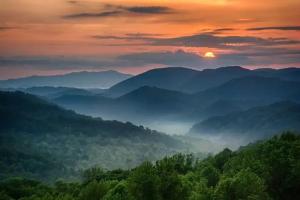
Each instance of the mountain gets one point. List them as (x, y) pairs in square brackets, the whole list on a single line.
[(175, 112), (192, 81), (104, 79), (32, 128), (254, 123), (140, 105), (155, 99), (252, 91), (210, 78), (55, 92), (166, 78)]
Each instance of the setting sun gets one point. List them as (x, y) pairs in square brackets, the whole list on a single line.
[(209, 55)]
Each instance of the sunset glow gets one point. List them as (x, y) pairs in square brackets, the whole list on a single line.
[(209, 55), (36, 35)]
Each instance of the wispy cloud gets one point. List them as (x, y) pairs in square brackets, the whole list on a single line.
[(4, 28), (149, 9), (116, 10), (177, 58), (282, 28), (72, 2), (213, 41), (89, 15), (209, 40), (253, 56)]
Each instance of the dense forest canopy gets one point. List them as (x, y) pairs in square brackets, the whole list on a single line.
[(260, 171)]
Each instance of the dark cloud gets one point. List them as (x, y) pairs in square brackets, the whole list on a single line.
[(219, 31), (168, 58), (208, 40), (72, 2), (89, 15), (129, 36), (186, 59), (255, 56), (282, 28), (224, 42), (115, 10), (4, 28), (178, 58), (149, 9), (143, 34)]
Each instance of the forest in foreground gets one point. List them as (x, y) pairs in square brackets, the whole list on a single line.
[(260, 171)]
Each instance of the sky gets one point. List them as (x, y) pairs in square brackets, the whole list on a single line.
[(133, 36)]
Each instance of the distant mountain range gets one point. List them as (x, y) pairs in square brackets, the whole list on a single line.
[(104, 79), (254, 123), (151, 104), (173, 99), (192, 81)]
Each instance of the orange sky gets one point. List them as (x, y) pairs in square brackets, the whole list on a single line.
[(103, 31)]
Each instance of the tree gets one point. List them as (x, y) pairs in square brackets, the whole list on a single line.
[(211, 174), (94, 191), (143, 183), (94, 173), (222, 157), (244, 185), (119, 192)]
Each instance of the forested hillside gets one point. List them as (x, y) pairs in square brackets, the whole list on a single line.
[(43, 141), (261, 171)]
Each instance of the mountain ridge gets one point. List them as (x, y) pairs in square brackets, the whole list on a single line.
[(83, 79)]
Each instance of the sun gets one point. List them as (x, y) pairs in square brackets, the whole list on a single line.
[(209, 55)]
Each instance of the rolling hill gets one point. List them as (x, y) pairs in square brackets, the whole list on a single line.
[(32, 128), (104, 79), (192, 81), (254, 123), (166, 78), (149, 105)]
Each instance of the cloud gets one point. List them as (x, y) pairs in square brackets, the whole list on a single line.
[(149, 9), (209, 40), (218, 31), (225, 42), (247, 20), (72, 2), (177, 58), (115, 10), (89, 15), (187, 59), (282, 28), (5, 28), (130, 36), (55, 62), (223, 29), (255, 56)]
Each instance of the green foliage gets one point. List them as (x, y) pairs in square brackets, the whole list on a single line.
[(39, 140), (262, 171), (211, 174), (119, 192), (143, 183), (244, 185), (94, 190)]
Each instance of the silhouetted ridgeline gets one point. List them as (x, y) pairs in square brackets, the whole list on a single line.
[(104, 79)]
